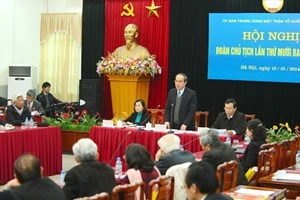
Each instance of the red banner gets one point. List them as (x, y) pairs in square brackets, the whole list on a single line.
[(153, 34)]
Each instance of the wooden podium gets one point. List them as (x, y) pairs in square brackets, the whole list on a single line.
[(125, 89)]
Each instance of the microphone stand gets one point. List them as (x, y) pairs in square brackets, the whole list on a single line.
[(171, 120), (118, 148)]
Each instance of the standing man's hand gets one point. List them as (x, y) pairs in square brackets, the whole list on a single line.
[(183, 127)]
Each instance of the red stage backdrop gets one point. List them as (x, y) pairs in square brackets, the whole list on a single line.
[(153, 34)]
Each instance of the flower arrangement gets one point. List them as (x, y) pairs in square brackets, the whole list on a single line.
[(69, 121), (284, 132), (128, 66)]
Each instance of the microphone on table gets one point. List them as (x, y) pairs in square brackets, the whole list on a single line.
[(171, 119), (191, 141), (113, 156), (147, 118)]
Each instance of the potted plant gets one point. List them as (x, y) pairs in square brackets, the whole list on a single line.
[(284, 132)]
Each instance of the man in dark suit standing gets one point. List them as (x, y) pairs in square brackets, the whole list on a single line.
[(33, 105), (181, 105), (232, 120), (16, 113), (217, 152)]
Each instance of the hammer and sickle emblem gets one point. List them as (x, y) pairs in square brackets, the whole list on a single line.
[(129, 8)]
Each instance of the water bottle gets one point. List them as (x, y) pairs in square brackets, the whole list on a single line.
[(30, 123), (247, 140), (62, 178), (26, 122), (297, 160), (228, 140), (118, 167)]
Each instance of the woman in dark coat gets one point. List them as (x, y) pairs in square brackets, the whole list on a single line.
[(140, 115), (257, 133)]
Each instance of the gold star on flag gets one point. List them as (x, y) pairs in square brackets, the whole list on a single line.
[(153, 9)]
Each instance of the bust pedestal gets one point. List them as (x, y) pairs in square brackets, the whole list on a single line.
[(125, 89)]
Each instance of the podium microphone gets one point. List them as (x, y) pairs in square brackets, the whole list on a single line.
[(113, 156)]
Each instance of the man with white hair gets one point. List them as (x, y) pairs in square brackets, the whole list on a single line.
[(16, 113), (90, 176), (170, 154)]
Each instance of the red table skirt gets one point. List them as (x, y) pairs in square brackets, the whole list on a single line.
[(43, 142), (108, 140)]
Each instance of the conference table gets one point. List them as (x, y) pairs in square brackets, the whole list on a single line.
[(112, 141), (292, 185), (43, 142)]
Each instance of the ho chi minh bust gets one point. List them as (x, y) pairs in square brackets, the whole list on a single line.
[(131, 49)]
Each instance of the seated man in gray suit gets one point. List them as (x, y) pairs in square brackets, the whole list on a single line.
[(34, 107)]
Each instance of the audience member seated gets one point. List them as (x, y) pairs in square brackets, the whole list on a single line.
[(257, 133), (231, 120), (170, 154), (34, 107), (202, 183), (17, 113), (3, 102), (141, 167), (29, 182), (47, 99), (217, 152), (140, 115), (90, 176)]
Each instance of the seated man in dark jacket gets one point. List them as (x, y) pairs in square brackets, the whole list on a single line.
[(47, 99), (29, 182), (17, 113), (90, 176), (170, 154), (217, 152)]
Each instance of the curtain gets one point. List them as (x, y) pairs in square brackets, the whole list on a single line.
[(61, 54), (153, 34)]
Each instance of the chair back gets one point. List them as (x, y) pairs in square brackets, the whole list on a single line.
[(179, 171), (101, 196), (161, 188), (249, 117), (287, 153), (128, 191), (227, 174), (266, 163), (276, 147), (157, 116), (198, 116)]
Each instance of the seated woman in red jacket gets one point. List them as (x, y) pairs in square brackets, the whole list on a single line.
[(257, 133), (141, 167), (140, 115)]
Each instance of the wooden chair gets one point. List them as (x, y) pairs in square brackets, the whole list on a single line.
[(101, 196), (157, 116), (249, 117), (129, 191), (287, 153), (198, 116), (227, 174), (161, 188), (265, 164), (276, 147)]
